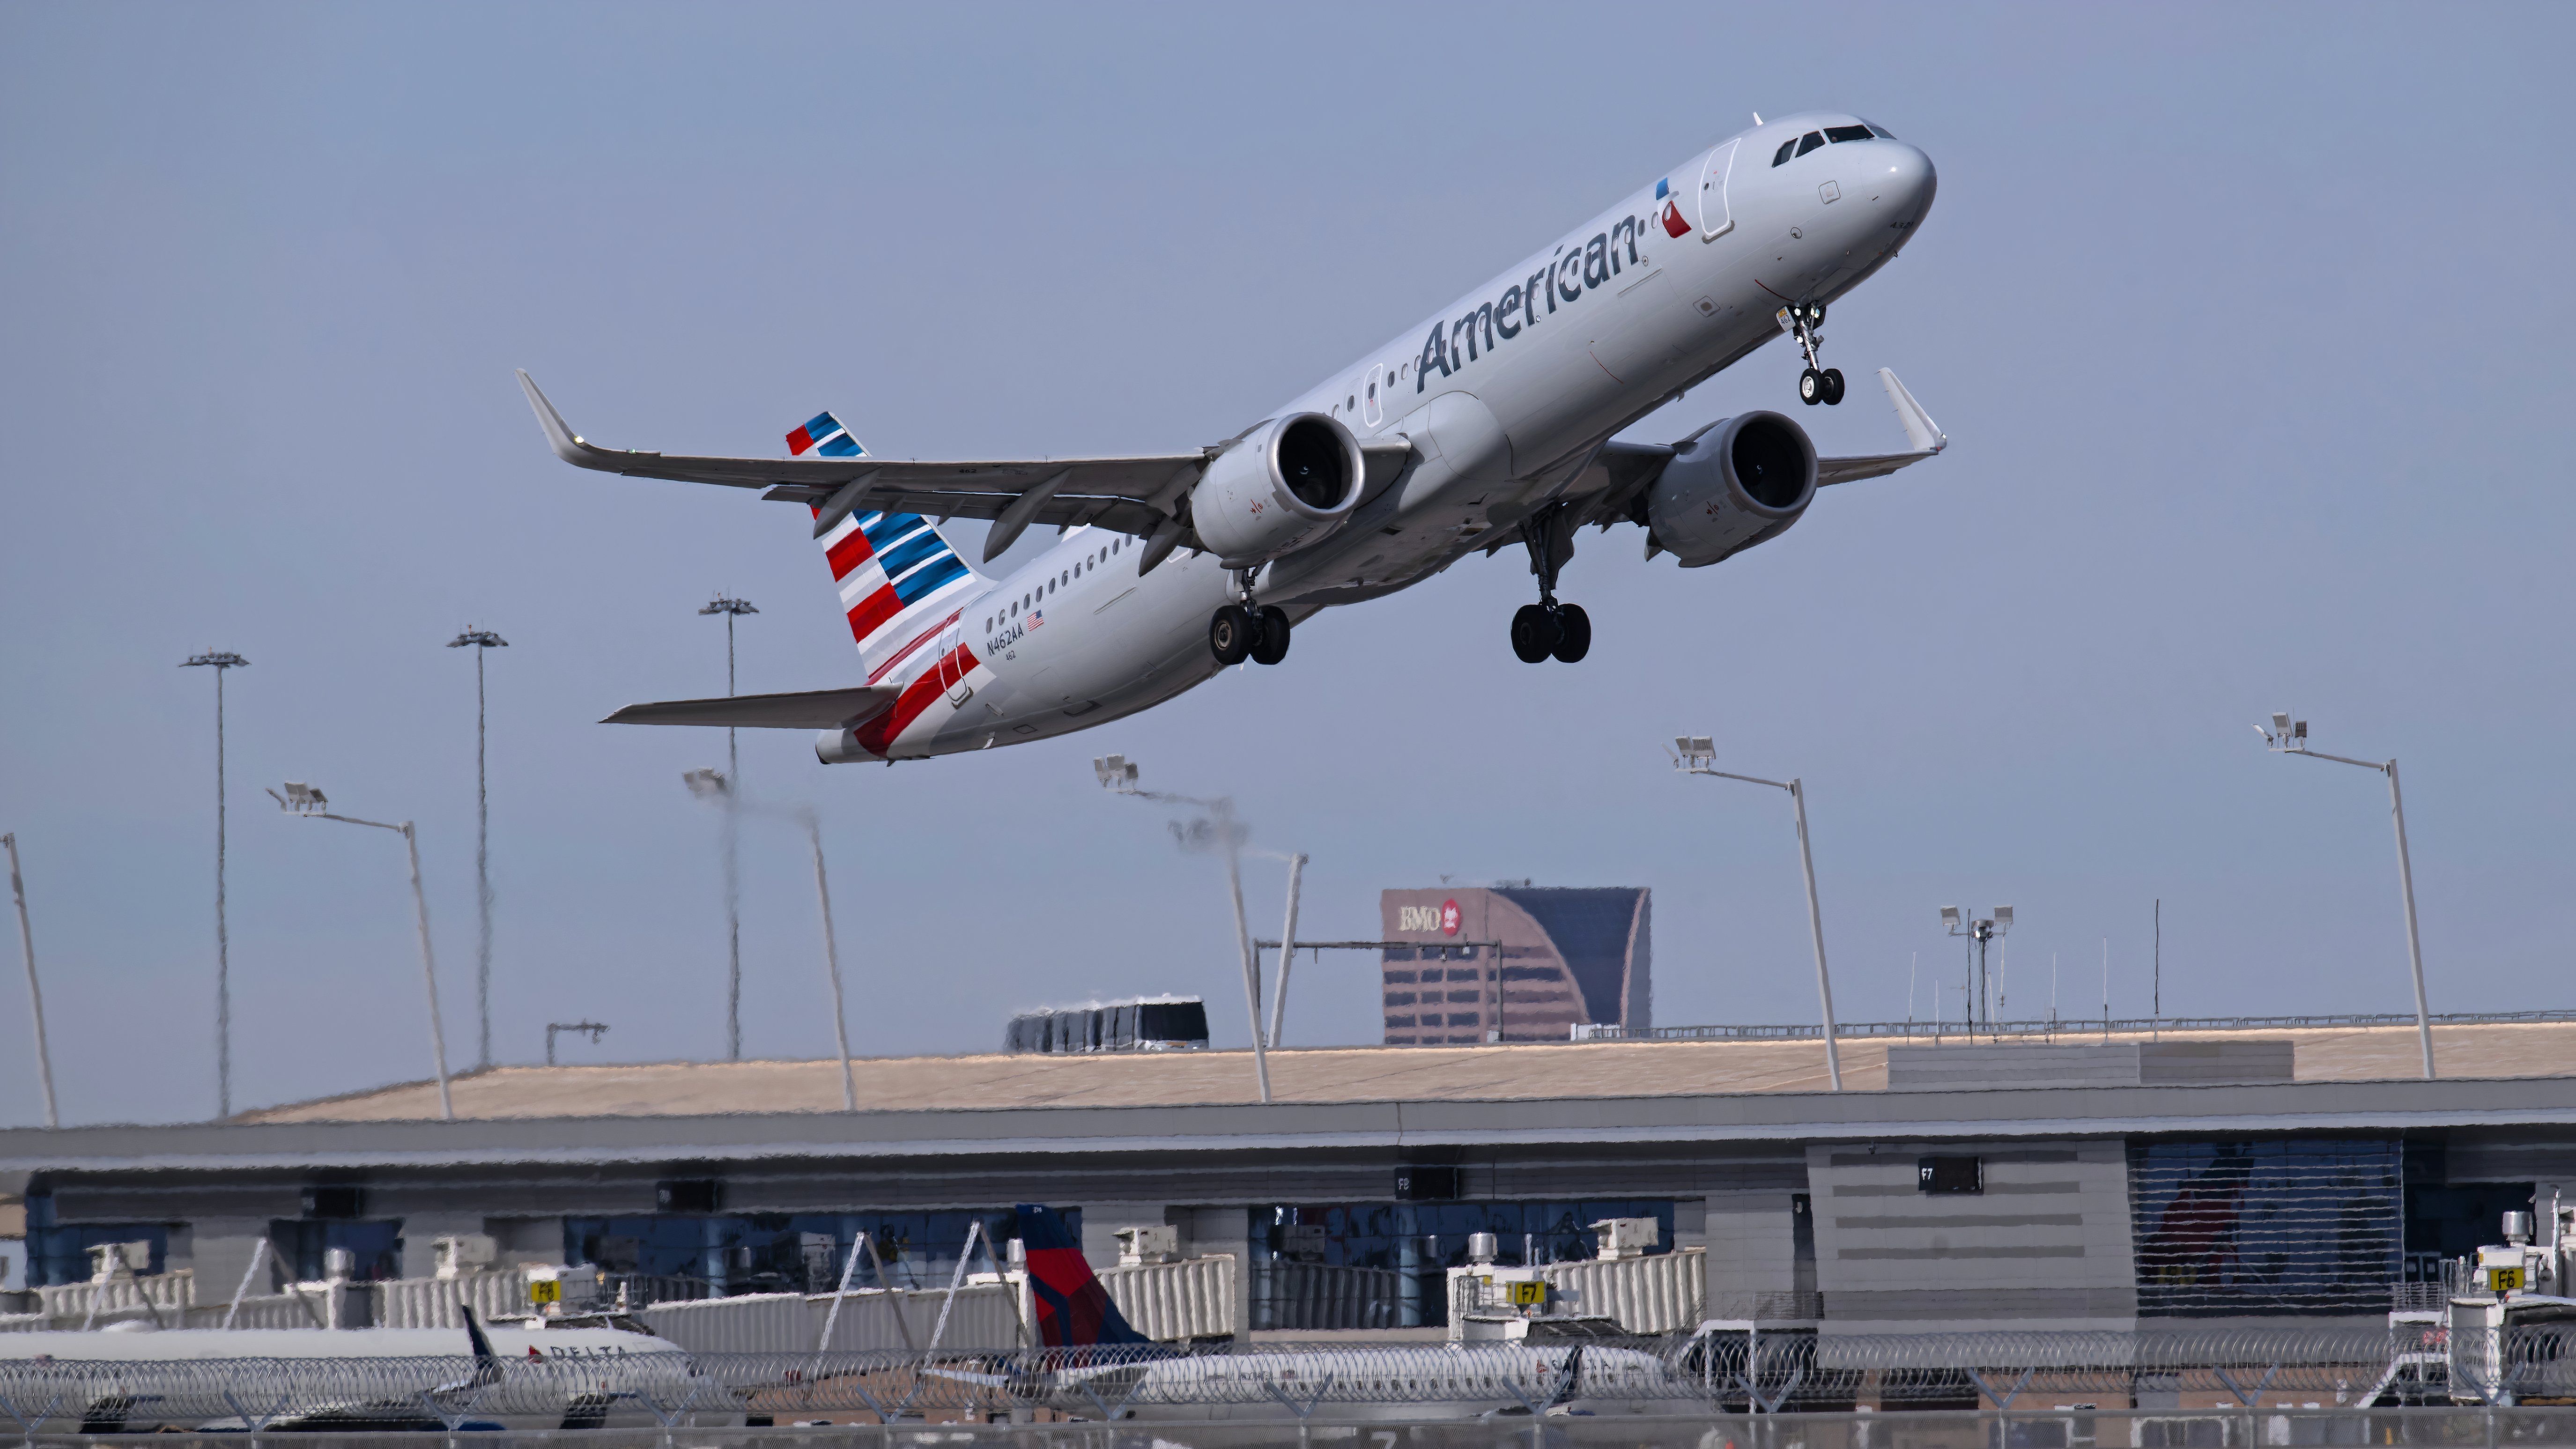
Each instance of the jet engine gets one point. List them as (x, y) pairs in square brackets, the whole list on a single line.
[(1737, 483), (1280, 487)]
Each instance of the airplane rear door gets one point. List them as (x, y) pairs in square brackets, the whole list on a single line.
[(952, 674), (1716, 219)]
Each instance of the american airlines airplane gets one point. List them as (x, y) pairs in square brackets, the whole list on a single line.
[(1488, 425)]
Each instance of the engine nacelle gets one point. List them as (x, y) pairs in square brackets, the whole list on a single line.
[(1741, 482), (1280, 487)]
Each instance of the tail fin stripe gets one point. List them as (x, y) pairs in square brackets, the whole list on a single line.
[(871, 613), (883, 529), (848, 553), (930, 577), (909, 554)]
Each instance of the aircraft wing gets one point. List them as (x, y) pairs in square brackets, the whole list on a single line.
[(1612, 486), (1135, 495), (815, 709)]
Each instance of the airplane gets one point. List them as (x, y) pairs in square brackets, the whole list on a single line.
[(1492, 424), (1091, 1364), (134, 1379)]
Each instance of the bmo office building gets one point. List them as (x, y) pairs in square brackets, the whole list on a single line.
[(1514, 963)]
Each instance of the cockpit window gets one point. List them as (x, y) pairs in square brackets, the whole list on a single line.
[(1785, 148), (1881, 132), (1810, 142), (1847, 133)]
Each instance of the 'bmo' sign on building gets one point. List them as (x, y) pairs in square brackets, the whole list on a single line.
[(1514, 963)]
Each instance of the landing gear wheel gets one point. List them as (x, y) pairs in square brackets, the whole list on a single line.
[(1833, 381), (1576, 641), (1272, 646), (1811, 387), (1535, 633), (1230, 634)]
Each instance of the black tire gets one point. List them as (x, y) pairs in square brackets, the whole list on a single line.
[(1534, 633), (1230, 634), (1833, 386), (1273, 645), (1811, 387), (1576, 641)]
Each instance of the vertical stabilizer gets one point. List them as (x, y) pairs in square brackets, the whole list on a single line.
[(900, 581), (1073, 1309)]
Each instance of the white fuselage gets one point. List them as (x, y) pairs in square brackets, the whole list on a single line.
[(1504, 396)]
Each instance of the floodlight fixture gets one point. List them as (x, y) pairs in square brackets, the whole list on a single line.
[(1950, 917), (2280, 723), (1704, 746), (300, 798), (2003, 919)]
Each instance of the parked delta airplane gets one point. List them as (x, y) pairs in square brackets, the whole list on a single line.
[(1490, 425)]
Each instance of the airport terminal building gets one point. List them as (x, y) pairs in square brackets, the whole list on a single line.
[(2097, 1181)]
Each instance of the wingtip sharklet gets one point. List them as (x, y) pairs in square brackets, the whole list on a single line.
[(568, 445), (1920, 430)]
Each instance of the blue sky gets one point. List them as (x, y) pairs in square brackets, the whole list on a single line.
[(2247, 326)]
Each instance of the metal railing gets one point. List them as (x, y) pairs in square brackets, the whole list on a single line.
[(1713, 1372), (2074, 1027), (2068, 1426)]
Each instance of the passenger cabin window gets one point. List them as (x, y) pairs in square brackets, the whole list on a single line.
[(1810, 142), (1847, 133), (1787, 149)]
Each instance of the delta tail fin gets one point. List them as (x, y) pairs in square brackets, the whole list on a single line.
[(1073, 1309), (900, 581)]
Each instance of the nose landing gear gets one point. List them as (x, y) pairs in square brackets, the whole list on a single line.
[(1241, 631), (1815, 385), (1548, 629)]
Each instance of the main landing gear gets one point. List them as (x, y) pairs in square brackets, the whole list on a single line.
[(1240, 631), (1548, 629), (1815, 385)]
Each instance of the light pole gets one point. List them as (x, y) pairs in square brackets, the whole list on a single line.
[(220, 660), (1287, 948), (732, 609), (482, 640), (1978, 1006), (1697, 755), (35, 995), (1117, 774), (2290, 737), (716, 786), (309, 803)]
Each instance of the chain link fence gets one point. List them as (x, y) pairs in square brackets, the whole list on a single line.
[(1713, 1372)]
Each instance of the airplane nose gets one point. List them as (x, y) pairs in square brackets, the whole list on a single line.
[(1909, 181)]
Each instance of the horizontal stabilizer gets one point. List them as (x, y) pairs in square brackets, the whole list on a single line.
[(813, 709)]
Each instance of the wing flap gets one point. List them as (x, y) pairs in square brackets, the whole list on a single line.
[(814, 709)]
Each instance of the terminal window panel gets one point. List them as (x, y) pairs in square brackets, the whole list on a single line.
[(304, 1244), (2307, 1226), (792, 1252), (59, 1253), (1324, 1266)]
